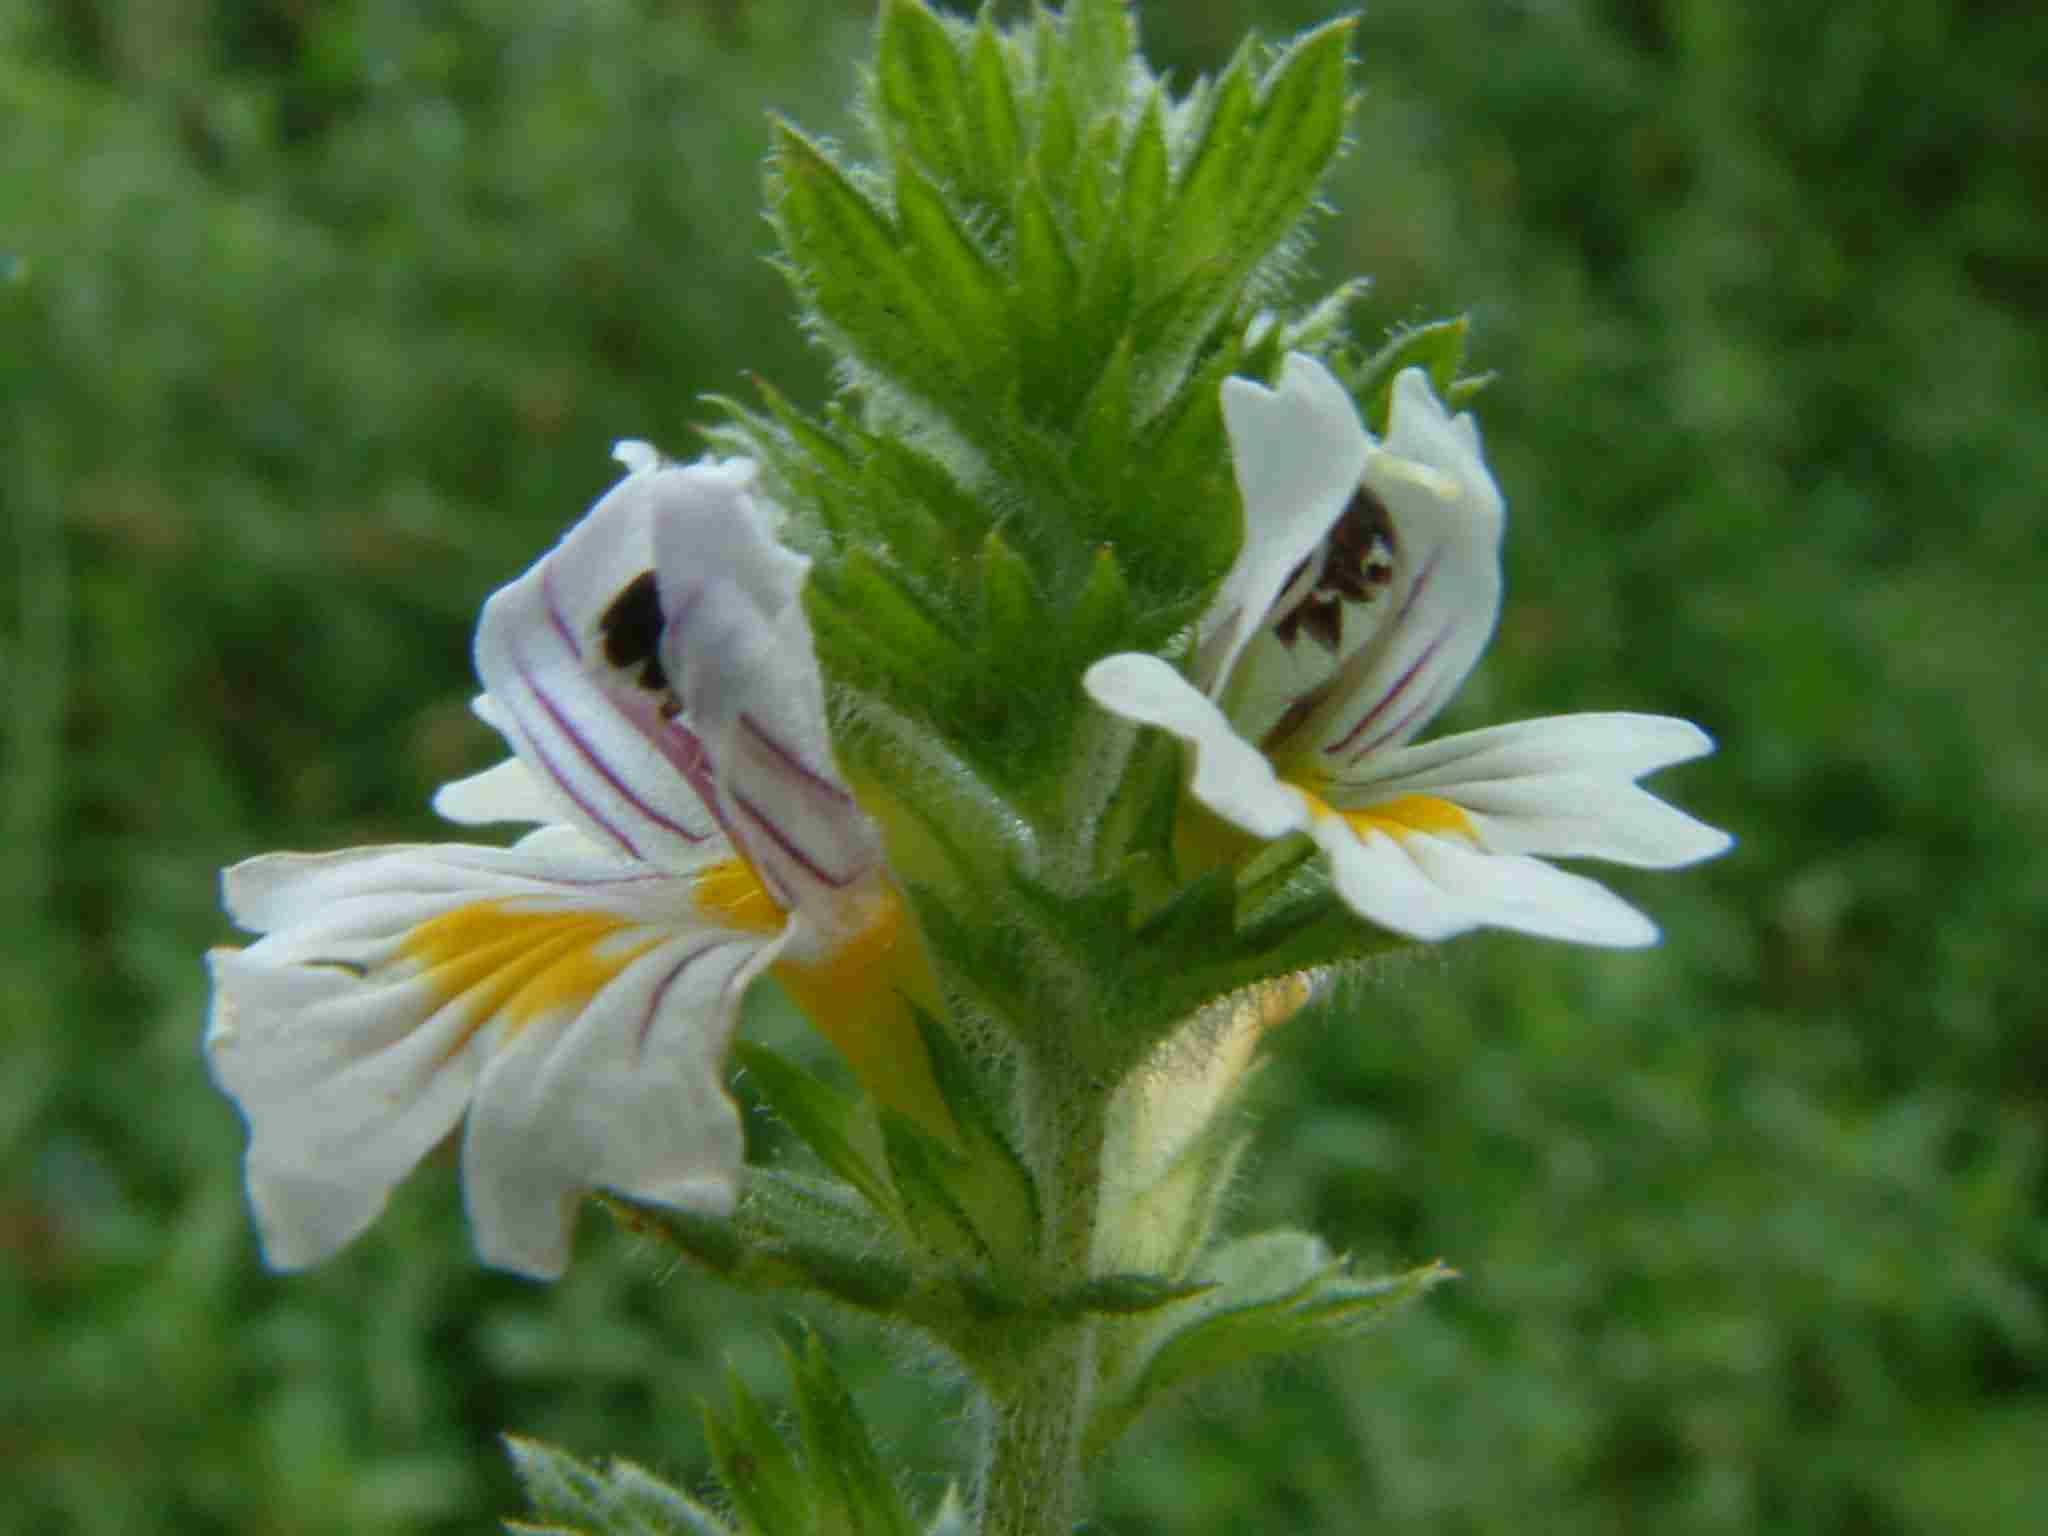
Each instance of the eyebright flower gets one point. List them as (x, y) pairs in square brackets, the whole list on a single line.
[(574, 994), (1367, 587)]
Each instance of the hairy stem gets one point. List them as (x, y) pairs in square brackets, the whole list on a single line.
[(1038, 1413), (1031, 1482)]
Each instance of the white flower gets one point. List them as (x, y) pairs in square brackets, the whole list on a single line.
[(573, 995), (1368, 585)]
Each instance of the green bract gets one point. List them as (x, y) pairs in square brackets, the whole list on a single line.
[(1032, 289), (572, 1499)]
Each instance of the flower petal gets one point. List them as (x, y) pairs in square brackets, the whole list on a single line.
[(579, 1010), (564, 653), (1297, 451), (1561, 787), (1374, 876), (627, 1094), (1432, 887), (737, 648), (1527, 895), (1446, 515), (506, 792), (1231, 777)]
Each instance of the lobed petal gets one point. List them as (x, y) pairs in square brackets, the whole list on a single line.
[(1528, 895), (627, 1094), (1432, 887), (1373, 874), (1297, 451), (1562, 787), (577, 1009), (1612, 743), (1447, 517), (591, 731), (506, 792), (737, 648)]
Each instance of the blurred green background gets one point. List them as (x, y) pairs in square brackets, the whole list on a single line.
[(316, 322)]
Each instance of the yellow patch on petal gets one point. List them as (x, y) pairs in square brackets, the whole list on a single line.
[(501, 960), (730, 893), (1414, 813), (1396, 817)]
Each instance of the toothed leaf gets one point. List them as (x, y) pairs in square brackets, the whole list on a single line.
[(1438, 347), (902, 308), (1126, 1295), (991, 113), (768, 1489), (834, 1126), (955, 271), (858, 1498), (1100, 41), (573, 1498), (1273, 1293), (921, 1167), (1013, 615), (1101, 616), (989, 1179), (789, 1234), (920, 90)]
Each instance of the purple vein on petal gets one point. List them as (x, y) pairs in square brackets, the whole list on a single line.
[(591, 756), (660, 994), (555, 615), (682, 747), (1422, 580), (1400, 687), (782, 841), (594, 882), (795, 764), (582, 802), (684, 750), (1417, 712)]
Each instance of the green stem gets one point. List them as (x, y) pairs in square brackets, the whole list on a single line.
[(1031, 1472), (1031, 1484)]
